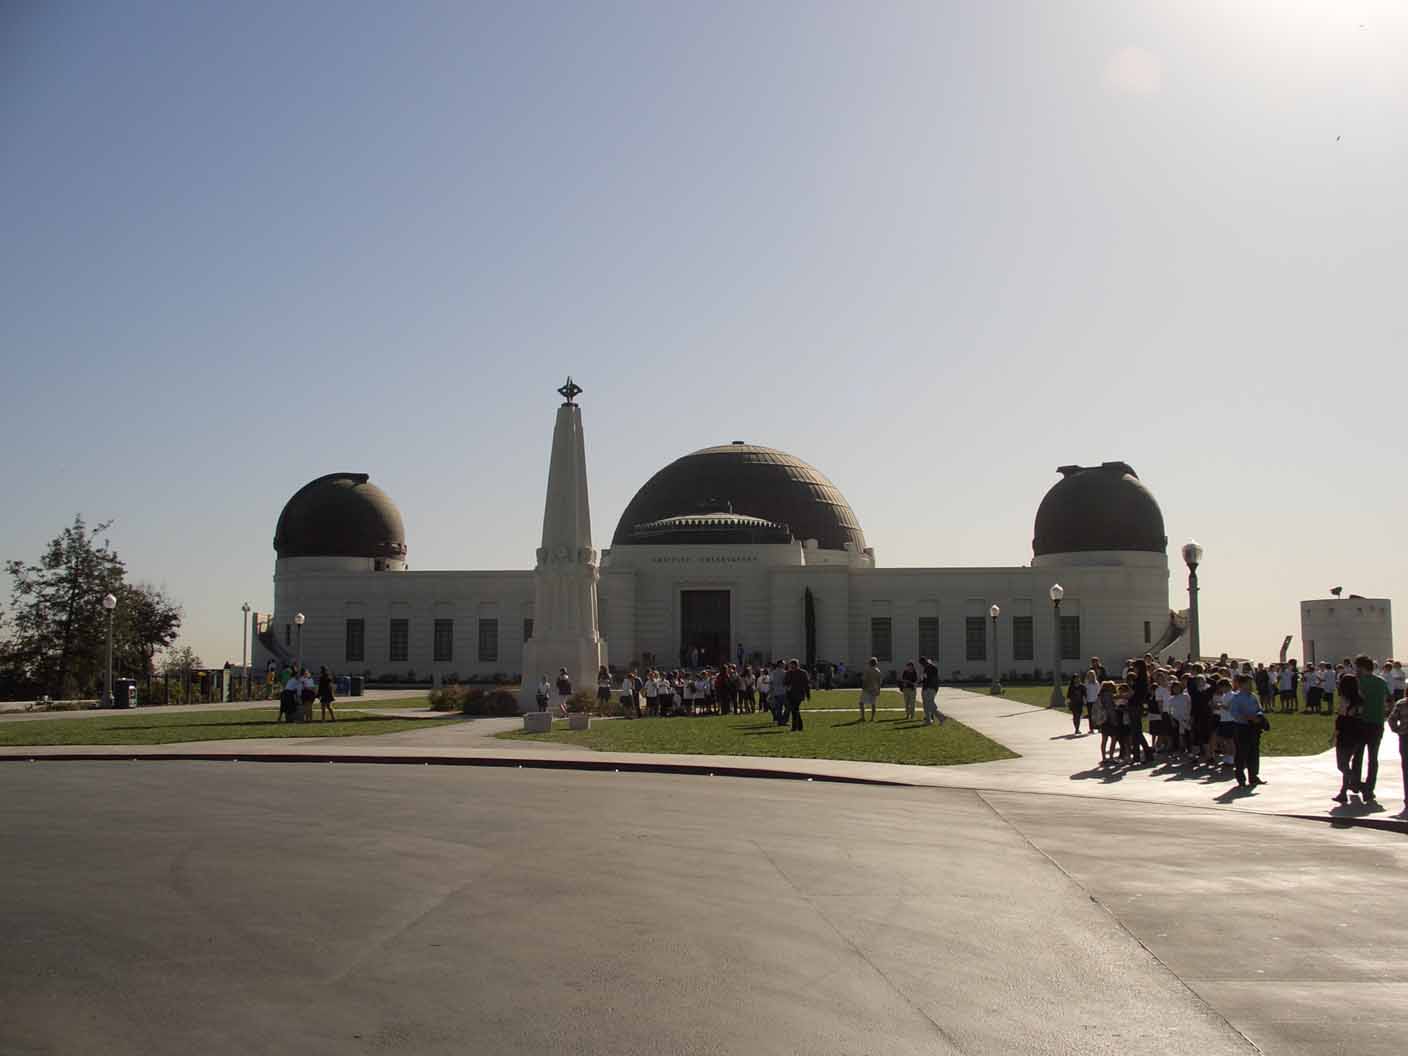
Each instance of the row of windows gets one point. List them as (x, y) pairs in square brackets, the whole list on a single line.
[(882, 637), (442, 642)]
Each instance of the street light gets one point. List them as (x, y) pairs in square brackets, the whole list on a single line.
[(244, 647), (109, 603), (298, 621), (1193, 557), (1057, 592), (996, 688)]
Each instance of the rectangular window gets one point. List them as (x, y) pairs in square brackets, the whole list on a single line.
[(400, 641), (977, 635), (1070, 637), (881, 638), (444, 641), (1023, 638), (1148, 633), (356, 641), (929, 637), (527, 627), (489, 640)]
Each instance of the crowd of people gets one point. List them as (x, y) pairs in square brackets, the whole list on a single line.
[(1213, 715), (738, 689), (299, 691)]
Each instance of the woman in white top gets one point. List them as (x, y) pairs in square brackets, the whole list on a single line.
[(689, 696), (1092, 694), (652, 692)]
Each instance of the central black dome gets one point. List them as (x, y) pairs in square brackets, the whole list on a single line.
[(1104, 507), (340, 515), (738, 493)]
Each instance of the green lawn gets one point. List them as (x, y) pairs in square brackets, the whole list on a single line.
[(890, 740), (173, 727), (1297, 734)]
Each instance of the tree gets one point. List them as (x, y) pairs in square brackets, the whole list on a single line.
[(150, 622), (58, 627)]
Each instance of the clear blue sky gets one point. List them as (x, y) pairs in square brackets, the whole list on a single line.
[(935, 249)]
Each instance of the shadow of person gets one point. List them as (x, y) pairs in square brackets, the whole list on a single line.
[(1107, 774), (1234, 793), (1358, 810)]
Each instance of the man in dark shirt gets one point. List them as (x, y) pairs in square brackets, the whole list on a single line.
[(799, 688), (1373, 693), (929, 691)]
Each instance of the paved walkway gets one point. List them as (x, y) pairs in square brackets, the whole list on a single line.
[(1052, 762)]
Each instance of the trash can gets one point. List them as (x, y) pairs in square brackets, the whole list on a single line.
[(344, 686), (356, 687), (124, 693)]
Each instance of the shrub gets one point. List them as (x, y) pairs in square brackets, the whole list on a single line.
[(584, 702), (499, 703), (449, 697)]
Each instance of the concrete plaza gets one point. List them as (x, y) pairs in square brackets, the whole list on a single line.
[(226, 907)]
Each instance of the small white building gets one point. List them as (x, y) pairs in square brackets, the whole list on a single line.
[(734, 548), (1333, 629)]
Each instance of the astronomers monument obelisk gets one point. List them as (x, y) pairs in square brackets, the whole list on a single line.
[(565, 577)]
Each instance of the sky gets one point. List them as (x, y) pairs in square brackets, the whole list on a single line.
[(934, 249)]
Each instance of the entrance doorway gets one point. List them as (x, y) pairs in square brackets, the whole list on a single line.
[(704, 626)]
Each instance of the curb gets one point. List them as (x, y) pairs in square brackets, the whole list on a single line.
[(501, 762)]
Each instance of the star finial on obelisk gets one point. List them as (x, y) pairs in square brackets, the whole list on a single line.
[(570, 391)]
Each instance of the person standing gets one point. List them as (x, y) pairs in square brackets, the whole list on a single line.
[(1398, 723), (288, 697), (799, 687), (564, 690), (630, 695), (1075, 700), (870, 680), (544, 692), (777, 693), (1138, 703), (307, 693), (929, 691), (1092, 694), (1262, 677), (1244, 710), (325, 696), (652, 692), (1347, 736), (909, 686), (1373, 707), (603, 689)]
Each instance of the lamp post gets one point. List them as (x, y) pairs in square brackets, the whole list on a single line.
[(1057, 592), (244, 647), (996, 688), (298, 620), (1193, 557), (109, 603)]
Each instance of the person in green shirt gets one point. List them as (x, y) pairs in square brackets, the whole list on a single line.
[(1373, 694)]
